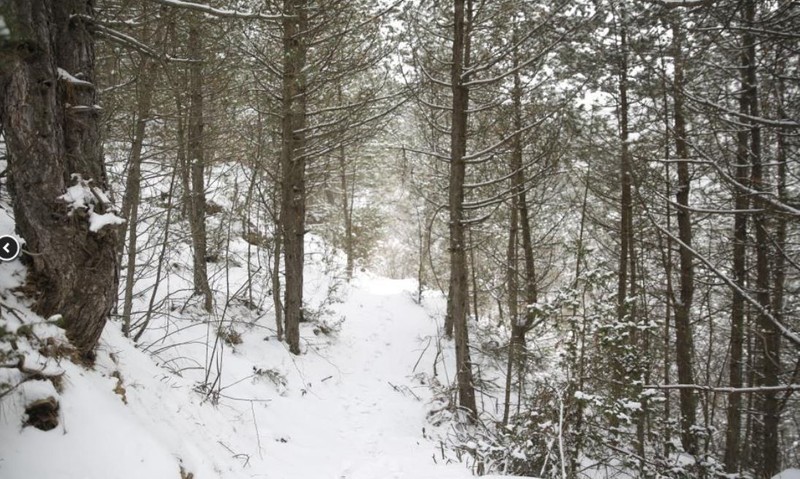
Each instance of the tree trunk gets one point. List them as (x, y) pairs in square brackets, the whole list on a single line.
[(293, 164), (778, 289), (347, 212), (736, 367), (276, 282), (626, 207), (458, 297), (684, 344), (579, 359), (768, 337), (513, 300), (520, 324), (474, 276), (52, 132), (519, 182), (130, 205), (667, 260), (196, 160), (181, 86)]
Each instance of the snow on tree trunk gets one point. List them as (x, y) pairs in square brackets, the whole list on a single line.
[(51, 122)]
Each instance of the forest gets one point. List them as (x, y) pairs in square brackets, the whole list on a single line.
[(527, 238)]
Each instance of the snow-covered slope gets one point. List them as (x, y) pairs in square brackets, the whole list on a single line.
[(353, 406)]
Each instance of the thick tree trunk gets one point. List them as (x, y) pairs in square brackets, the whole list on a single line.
[(51, 124), (684, 344), (458, 297), (448, 318), (293, 165), (196, 160)]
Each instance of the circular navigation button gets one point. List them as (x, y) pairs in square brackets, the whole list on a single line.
[(9, 248)]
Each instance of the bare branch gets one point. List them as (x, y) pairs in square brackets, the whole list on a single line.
[(786, 332)]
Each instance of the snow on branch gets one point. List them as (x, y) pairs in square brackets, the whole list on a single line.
[(124, 39), (725, 390), (754, 119), (684, 3), (767, 197), (64, 75), (792, 336), (217, 12), (83, 197)]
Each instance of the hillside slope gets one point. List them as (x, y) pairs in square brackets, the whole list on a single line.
[(353, 406)]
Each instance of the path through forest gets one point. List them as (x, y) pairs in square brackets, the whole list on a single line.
[(366, 421), (352, 406)]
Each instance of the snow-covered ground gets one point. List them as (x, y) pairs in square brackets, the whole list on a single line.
[(352, 406), (182, 404)]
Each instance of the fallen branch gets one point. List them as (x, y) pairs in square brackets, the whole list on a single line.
[(403, 390)]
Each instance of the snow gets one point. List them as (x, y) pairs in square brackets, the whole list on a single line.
[(791, 473), (631, 405), (4, 31), (216, 12), (356, 425), (83, 196), (582, 396), (352, 406), (67, 77), (97, 222), (78, 195), (36, 390), (97, 438)]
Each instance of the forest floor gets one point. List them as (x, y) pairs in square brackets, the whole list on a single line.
[(367, 421), (353, 406)]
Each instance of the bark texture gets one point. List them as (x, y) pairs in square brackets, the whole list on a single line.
[(457, 301), (293, 166), (684, 344), (52, 130), (736, 368), (767, 341), (196, 157)]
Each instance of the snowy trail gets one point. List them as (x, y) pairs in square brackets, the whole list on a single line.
[(336, 417), (357, 425)]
